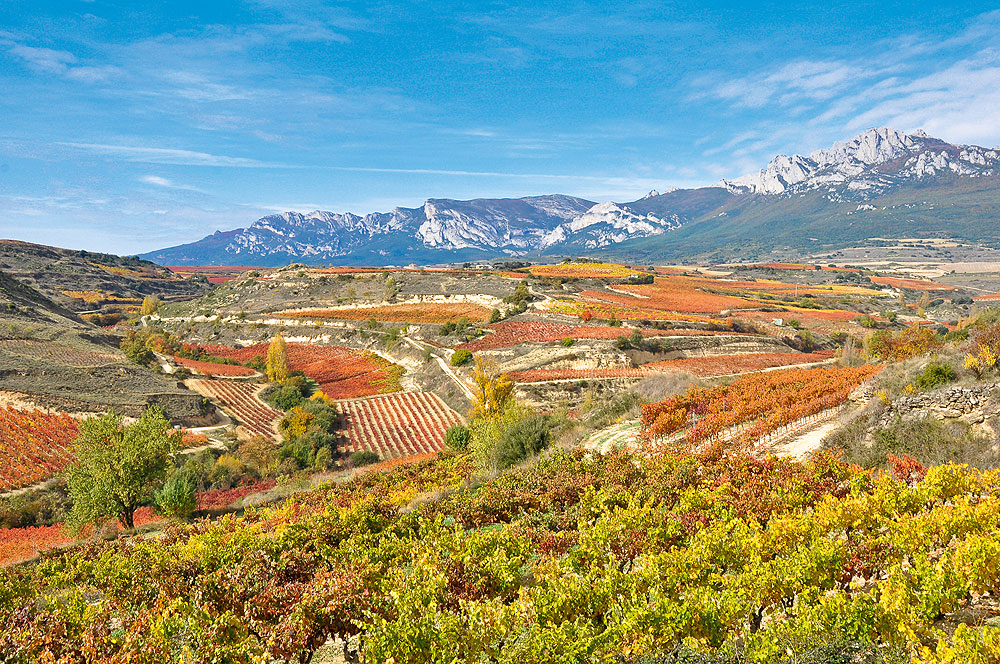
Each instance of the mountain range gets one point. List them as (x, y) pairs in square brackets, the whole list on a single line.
[(882, 183)]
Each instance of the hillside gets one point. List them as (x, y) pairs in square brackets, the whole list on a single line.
[(84, 281), (882, 183), (51, 358)]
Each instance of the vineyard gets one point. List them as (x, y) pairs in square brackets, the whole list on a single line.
[(724, 365), (342, 373), (398, 425), (417, 312), (583, 553), (34, 445), (712, 365), (59, 353), (240, 400), (583, 271), (214, 368), (20, 544), (512, 333), (911, 284), (752, 406)]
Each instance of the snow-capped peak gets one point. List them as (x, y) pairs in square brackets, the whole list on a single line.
[(868, 163)]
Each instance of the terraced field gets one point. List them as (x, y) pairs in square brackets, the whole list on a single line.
[(239, 399), (397, 425)]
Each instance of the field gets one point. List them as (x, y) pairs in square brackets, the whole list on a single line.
[(60, 353), (33, 446), (512, 333), (751, 406), (20, 544), (239, 399), (342, 373), (724, 365), (429, 312), (912, 284), (397, 425), (214, 274), (214, 368), (583, 271), (705, 367)]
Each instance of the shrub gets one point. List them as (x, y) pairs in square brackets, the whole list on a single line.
[(522, 439), (286, 397), (457, 437), (460, 357), (227, 471), (934, 375), (364, 458), (568, 341), (176, 497)]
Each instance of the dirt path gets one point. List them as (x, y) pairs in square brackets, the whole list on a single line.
[(622, 434), (465, 388), (809, 441)]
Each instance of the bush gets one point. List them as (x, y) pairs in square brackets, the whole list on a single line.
[(364, 458), (176, 497), (460, 357), (522, 439), (457, 437), (934, 375), (568, 341)]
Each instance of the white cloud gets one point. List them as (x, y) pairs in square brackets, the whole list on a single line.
[(61, 63), (154, 155)]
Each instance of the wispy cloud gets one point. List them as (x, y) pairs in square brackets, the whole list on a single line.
[(156, 155), (61, 63)]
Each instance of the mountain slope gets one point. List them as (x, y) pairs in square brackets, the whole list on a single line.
[(881, 183)]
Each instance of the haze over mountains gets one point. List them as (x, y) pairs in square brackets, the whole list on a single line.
[(882, 183)]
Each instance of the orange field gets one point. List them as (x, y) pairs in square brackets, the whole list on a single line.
[(673, 294), (912, 284), (424, 312), (396, 426), (342, 373), (583, 271), (722, 365), (752, 406), (34, 445)]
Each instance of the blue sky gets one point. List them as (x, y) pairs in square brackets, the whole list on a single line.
[(128, 126)]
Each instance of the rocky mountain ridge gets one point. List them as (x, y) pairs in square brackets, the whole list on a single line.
[(906, 172)]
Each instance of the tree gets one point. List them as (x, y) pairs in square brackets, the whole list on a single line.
[(391, 289), (277, 360), (118, 466), (150, 305), (492, 392)]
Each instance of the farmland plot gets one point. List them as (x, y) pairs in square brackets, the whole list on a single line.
[(240, 400), (34, 445), (397, 425)]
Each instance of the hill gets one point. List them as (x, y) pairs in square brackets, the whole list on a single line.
[(84, 281), (50, 357)]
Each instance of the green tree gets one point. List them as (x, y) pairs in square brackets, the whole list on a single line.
[(118, 466), (277, 360)]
